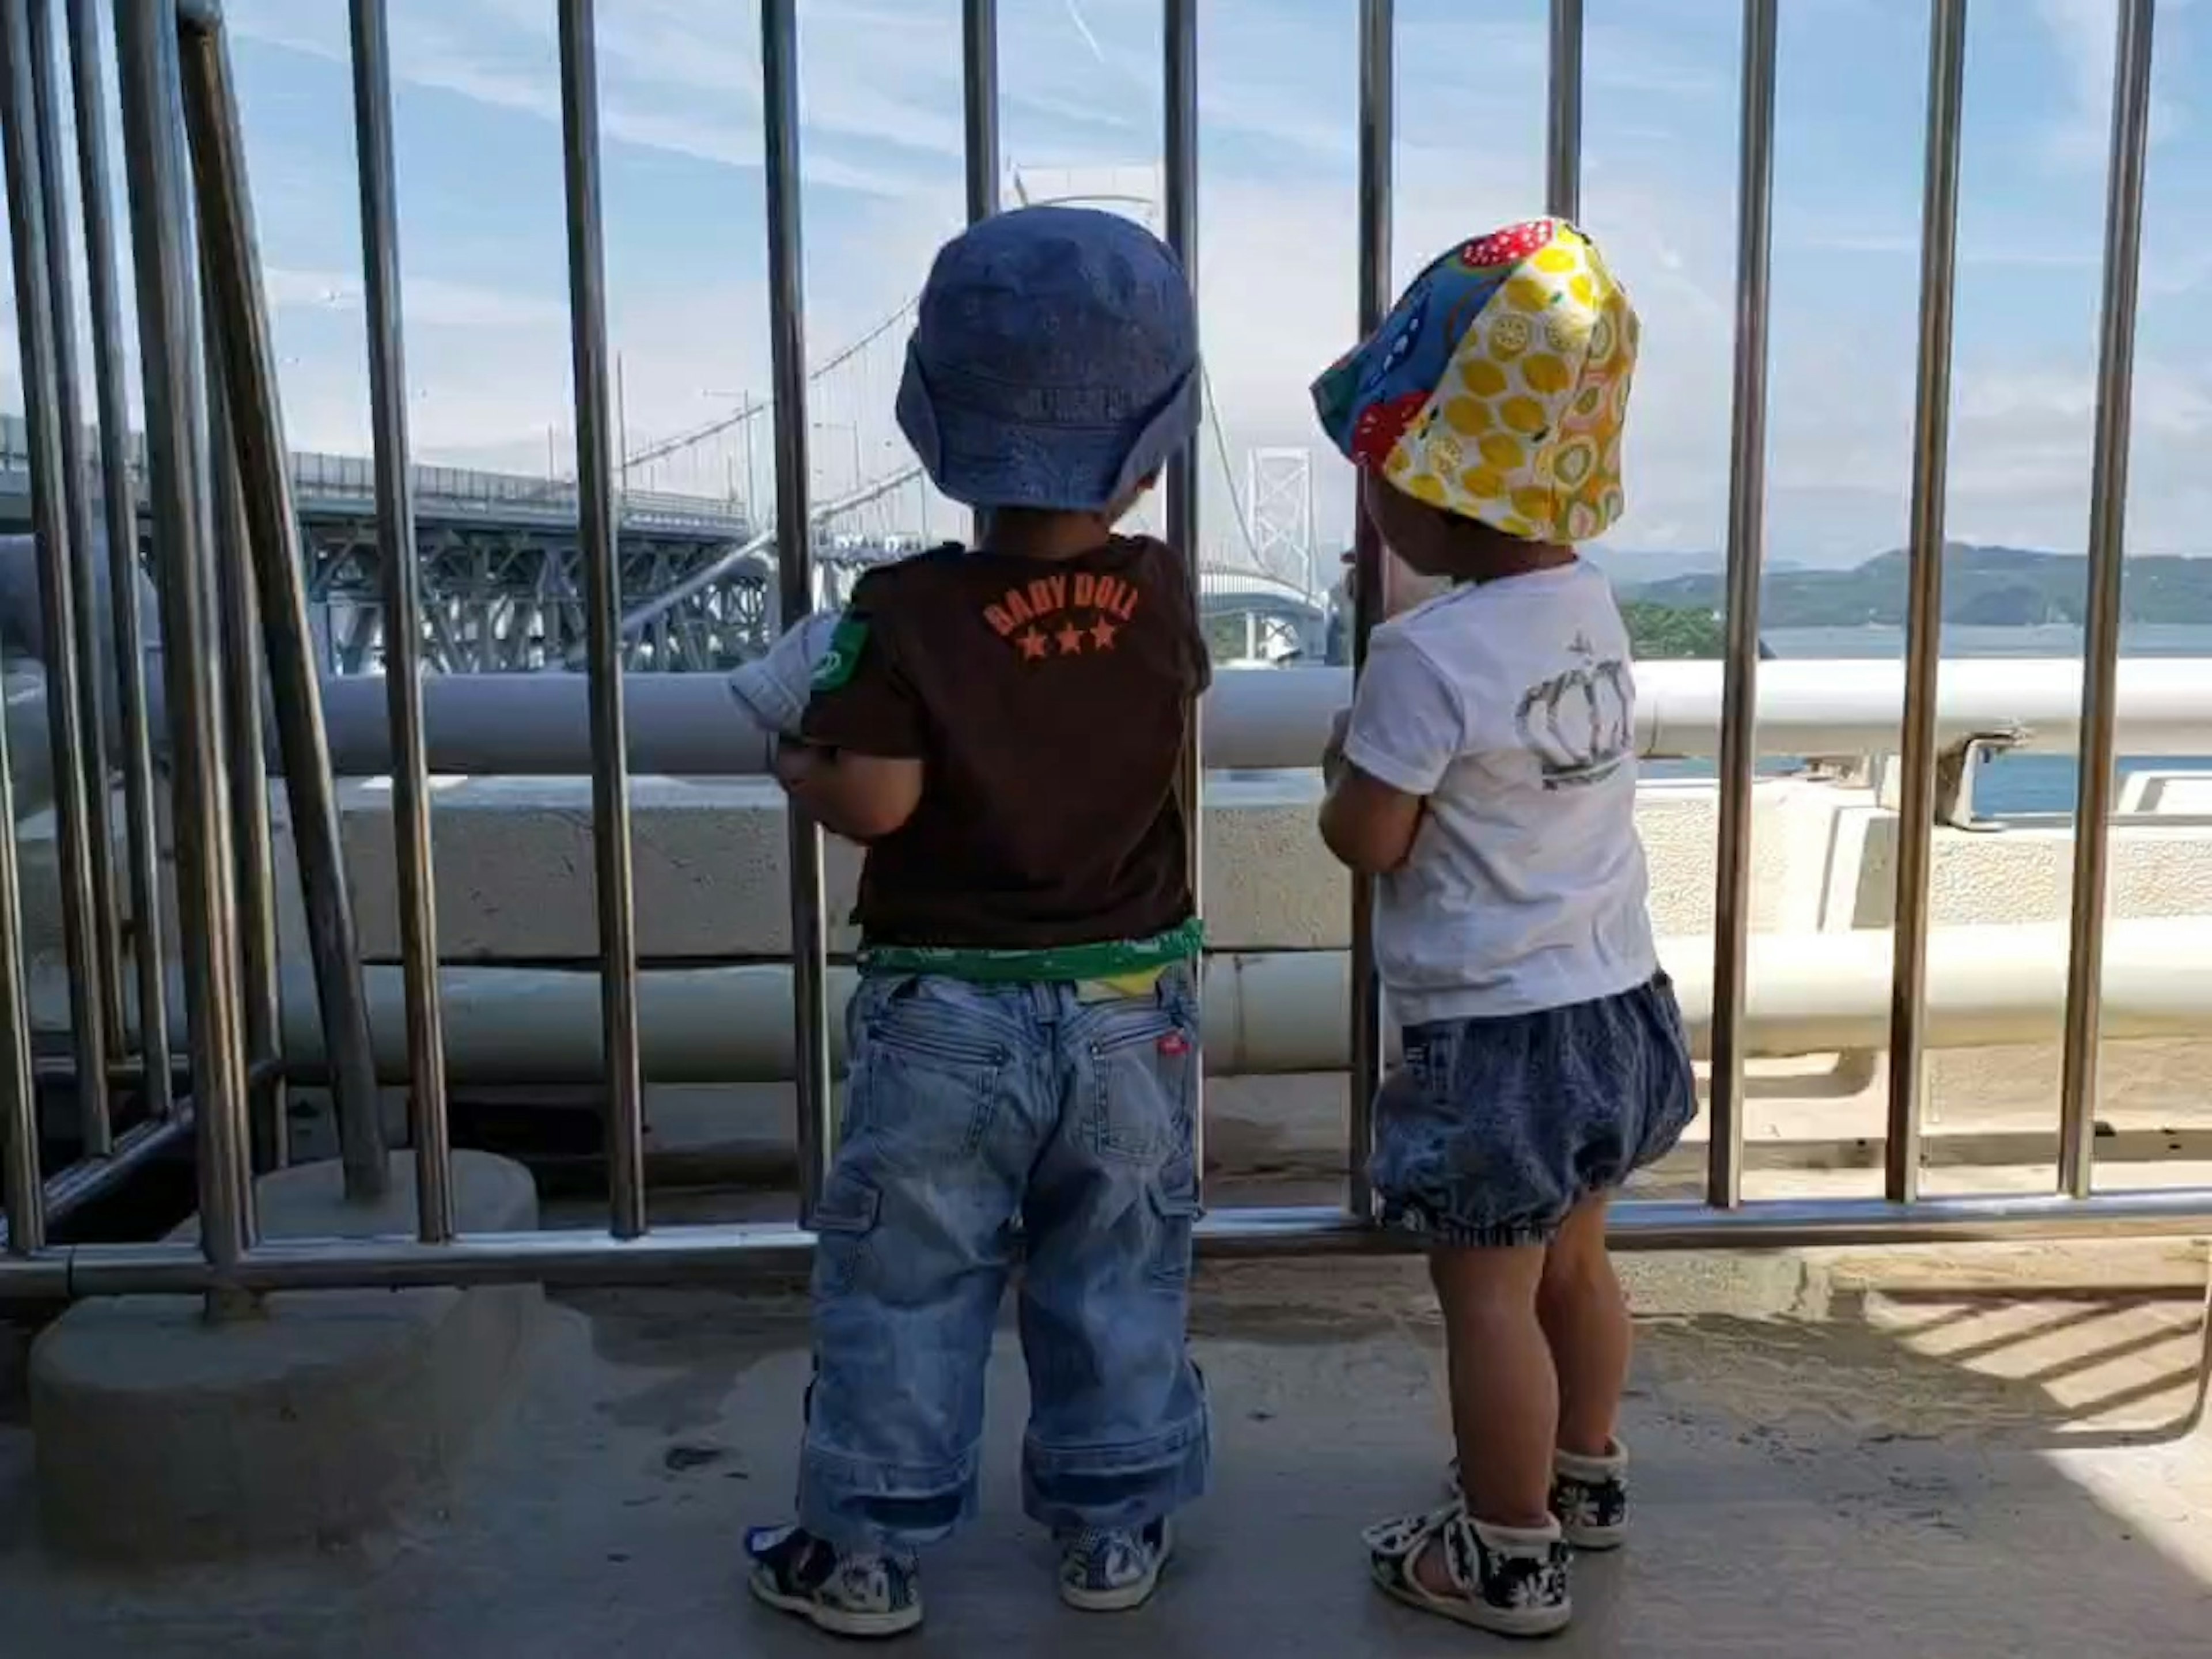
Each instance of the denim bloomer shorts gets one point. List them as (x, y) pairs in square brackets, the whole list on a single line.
[(1494, 1129)]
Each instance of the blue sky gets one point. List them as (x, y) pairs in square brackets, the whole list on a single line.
[(484, 260)]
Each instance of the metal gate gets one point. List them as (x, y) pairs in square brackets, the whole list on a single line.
[(235, 627)]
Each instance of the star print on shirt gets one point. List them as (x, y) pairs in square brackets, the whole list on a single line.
[(1072, 614)]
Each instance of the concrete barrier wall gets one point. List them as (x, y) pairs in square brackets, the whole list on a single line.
[(515, 867)]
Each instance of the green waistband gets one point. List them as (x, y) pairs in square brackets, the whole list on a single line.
[(1106, 959)]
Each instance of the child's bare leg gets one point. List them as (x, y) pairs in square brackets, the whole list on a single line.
[(1505, 1396), (1585, 1323)]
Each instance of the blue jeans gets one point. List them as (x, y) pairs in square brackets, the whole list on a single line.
[(985, 1123)]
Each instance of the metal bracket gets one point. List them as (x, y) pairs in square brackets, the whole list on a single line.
[(1954, 775)]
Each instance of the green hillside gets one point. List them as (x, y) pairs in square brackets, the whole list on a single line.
[(1984, 587), (1657, 631)]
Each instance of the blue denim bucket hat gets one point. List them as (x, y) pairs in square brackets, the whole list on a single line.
[(1053, 362)]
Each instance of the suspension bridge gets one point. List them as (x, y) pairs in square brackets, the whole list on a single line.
[(501, 574)]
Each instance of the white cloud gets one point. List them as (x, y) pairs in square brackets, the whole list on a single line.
[(2084, 37), (674, 76), (429, 302), (489, 365)]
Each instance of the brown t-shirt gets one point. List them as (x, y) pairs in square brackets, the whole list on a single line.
[(1048, 701)]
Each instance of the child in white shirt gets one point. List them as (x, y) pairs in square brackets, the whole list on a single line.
[(1487, 777)]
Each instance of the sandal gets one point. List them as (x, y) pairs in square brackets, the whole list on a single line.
[(1509, 1581)]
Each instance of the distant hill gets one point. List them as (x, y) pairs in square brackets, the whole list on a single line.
[(1982, 587), (1629, 567)]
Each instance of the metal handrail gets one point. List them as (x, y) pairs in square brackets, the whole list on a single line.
[(175, 74)]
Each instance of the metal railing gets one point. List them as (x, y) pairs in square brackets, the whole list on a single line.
[(185, 172)]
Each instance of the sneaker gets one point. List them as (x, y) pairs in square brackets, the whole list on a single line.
[(1589, 1496), (1509, 1581), (846, 1595), (1112, 1569)]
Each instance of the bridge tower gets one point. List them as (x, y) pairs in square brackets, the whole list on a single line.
[(1278, 505)]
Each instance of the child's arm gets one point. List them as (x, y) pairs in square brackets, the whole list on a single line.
[(862, 798), (1405, 727), (1368, 825), (857, 768)]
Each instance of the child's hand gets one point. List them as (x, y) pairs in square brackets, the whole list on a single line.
[(795, 763), (1332, 754)]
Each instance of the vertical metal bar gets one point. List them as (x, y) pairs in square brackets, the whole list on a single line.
[(1923, 633), (1179, 81), (979, 86), (238, 628), (622, 437), (597, 536), (23, 1189), (146, 52), (40, 325), (1563, 150), (84, 560), (241, 325), (794, 563), (2108, 511), (430, 1124), (979, 82), (120, 514), (1377, 125), (1745, 556)]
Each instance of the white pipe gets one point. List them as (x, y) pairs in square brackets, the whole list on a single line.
[(1283, 1011), (1853, 708), (688, 725)]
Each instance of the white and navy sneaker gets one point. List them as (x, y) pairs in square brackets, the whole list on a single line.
[(1509, 1581), (1112, 1569), (846, 1595)]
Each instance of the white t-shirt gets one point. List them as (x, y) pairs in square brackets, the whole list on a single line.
[(1511, 706)]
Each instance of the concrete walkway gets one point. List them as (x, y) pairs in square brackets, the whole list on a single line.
[(1997, 1471)]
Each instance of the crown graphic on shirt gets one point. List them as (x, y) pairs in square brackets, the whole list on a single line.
[(1580, 723)]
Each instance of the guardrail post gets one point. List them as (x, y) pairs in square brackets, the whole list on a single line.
[(83, 582), (1747, 554), (794, 559), (1562, 145), (597, 507), (155, 163), (233, 262), (428, 1119), (1378, 75), (120, 501), (238, 628), (62, 515), (2108, 514), (1924, 634)]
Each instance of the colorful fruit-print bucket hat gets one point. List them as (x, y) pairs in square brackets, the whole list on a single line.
[(1498, 386)]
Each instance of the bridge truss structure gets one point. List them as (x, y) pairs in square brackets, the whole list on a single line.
[(501, 575)]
